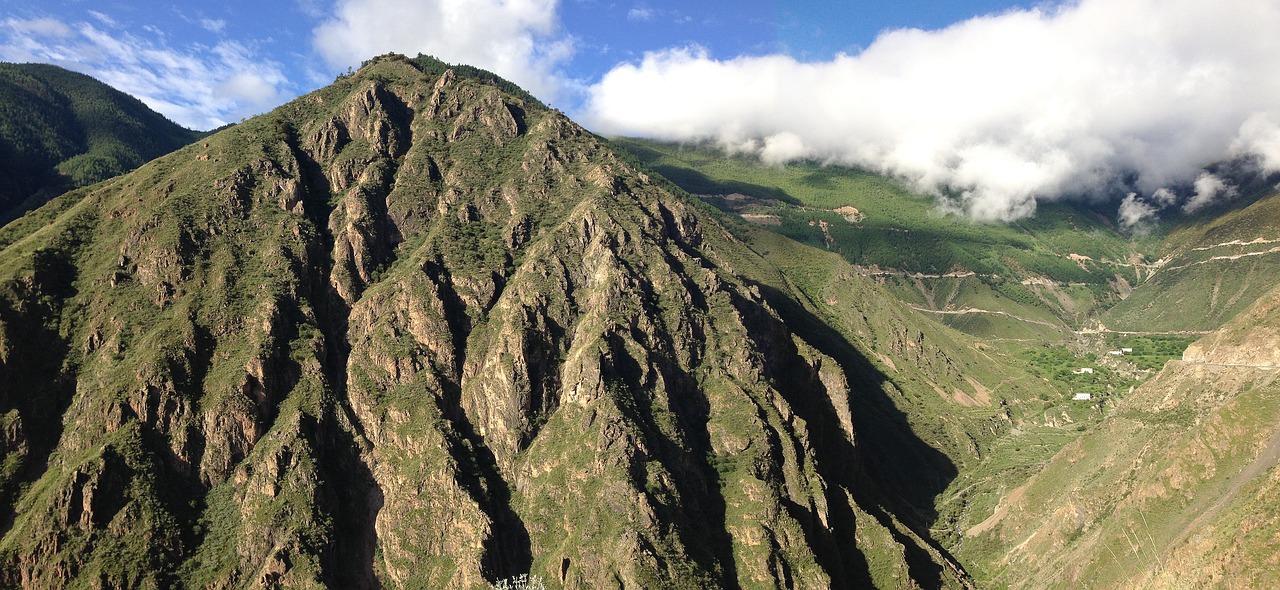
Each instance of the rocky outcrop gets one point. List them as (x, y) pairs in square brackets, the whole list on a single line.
[(1250, 339)]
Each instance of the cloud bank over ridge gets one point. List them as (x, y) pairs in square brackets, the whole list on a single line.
[(994, 113)]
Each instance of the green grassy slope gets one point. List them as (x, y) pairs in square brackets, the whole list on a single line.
[(998, 413), (410, 331), (1011, 292), (1055, 269), (1176, 489), (61, 130), (1215, 265)]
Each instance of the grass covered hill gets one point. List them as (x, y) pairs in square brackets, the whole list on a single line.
[(1163, 472), (60, 130), (1177, 488), (1037, 279), (1218, 264), (415, 329)]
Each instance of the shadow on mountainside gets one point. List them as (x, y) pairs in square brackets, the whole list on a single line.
[(892, 473), (35, 383), (700, 184)]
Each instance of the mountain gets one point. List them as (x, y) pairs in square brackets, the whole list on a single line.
[(1062, 271), (415, 330), (1218, 265), (60, 130)]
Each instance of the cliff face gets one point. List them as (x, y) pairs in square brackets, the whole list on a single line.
[(412, 331)]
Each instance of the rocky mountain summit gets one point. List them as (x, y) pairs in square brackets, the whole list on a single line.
[(412, 330)]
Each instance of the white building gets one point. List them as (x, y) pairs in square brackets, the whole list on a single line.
[(1082, 397), (1082, 371)]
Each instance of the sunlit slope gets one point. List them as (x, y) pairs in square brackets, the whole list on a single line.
[(413, 330), (1033, 278), (1210, 269), (1178, 488)]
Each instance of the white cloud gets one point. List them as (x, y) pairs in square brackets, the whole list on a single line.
[(1135, 214), (640, 14), (103, 18), (516, 39), (44, 27), (782, 148), (1095, 97), (213, 25), (198, 86), (1164, 197), (1260, 136), (1208, 190)]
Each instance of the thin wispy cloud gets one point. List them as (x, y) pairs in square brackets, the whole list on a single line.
[(213, 25), (198, 86), (29, 30), (640, 14), (103, 18), (996, 113)]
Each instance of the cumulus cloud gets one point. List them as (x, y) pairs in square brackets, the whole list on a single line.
[(517, 39), (1209, 188), (1135, 214), (200, 87), (1260, 136), (1164, 197), (783, 147), (1095, 98)]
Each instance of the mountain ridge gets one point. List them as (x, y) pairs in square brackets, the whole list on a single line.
[(61, 130)]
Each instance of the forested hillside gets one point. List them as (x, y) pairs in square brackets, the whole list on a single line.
[(61, 130)]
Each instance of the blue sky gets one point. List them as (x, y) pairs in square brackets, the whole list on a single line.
[(992, 105), (610, 32), (272, 45)]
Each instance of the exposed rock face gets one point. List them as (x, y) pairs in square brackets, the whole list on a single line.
[(410, 331), (1249, 340)]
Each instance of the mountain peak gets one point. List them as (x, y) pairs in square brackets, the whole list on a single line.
[(415, 330)]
